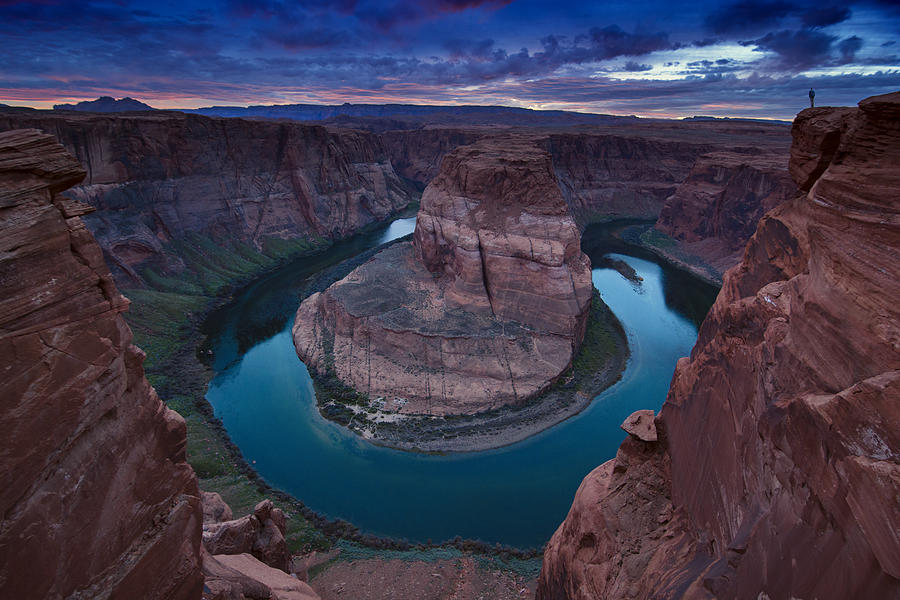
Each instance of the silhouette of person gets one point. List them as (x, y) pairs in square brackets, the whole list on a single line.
[(812, 98)]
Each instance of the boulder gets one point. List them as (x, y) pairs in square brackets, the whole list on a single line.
[(260, 534), (214, 508), (640, 425), (244, 577)]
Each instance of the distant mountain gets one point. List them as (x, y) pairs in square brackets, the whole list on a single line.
[(409, 114), (7, 109), (106, 104)]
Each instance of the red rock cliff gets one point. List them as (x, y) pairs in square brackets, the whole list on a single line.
[(161, 177), (96, 497), (777, 469), (716, 209)]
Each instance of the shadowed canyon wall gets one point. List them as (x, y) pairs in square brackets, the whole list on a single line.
[(161, 178), (716, 209), (776, 471), (96, 497)]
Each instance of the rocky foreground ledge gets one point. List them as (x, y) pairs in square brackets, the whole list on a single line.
[(775, 471), (96, 496), (484, 310)]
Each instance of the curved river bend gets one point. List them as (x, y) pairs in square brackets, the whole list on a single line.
[(515, 495)]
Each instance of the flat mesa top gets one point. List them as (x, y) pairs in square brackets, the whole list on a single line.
[(395, 288)]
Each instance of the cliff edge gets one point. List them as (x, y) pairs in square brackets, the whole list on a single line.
[(776, 471), (96, 497)]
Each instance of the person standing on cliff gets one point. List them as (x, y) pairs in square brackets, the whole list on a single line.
[(812, 98)]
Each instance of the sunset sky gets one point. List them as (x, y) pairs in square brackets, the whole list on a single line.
[(650, 58)]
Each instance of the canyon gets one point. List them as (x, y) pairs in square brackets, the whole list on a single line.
[(705, 183), (485, 308), (795, 455), (776, 469), (167, 183)]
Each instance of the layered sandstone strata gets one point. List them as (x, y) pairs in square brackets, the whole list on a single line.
[(623, 170), (159, 179), (96, 497), (777, 469), (716, 209), (487, 306)]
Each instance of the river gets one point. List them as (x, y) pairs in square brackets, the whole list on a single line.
[(515, 495)]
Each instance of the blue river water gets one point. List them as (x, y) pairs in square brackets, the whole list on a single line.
[(516, 495)]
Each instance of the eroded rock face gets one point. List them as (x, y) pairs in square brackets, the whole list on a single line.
[(260, 534), (716, 209), (640, 425), (494, 223), (162, 178), (782, 430), (96, 496), (486, 308), (621, 176)]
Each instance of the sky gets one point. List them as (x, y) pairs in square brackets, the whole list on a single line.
[(654, 58)]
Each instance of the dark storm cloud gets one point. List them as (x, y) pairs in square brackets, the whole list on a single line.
[(635, 67), (849, 47), (828, 15), (796, 50), (748, 16), (385, 16), (613, 41)]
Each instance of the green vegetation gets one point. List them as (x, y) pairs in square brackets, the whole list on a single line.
[(657, 239), (165, 318), (603, 341), (671, 250)]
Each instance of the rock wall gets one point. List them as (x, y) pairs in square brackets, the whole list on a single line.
[(622, 171), (158, 178), (620, 176), (777, 469), (716, 209), (417, 153), (96, 497), (487, 309)]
